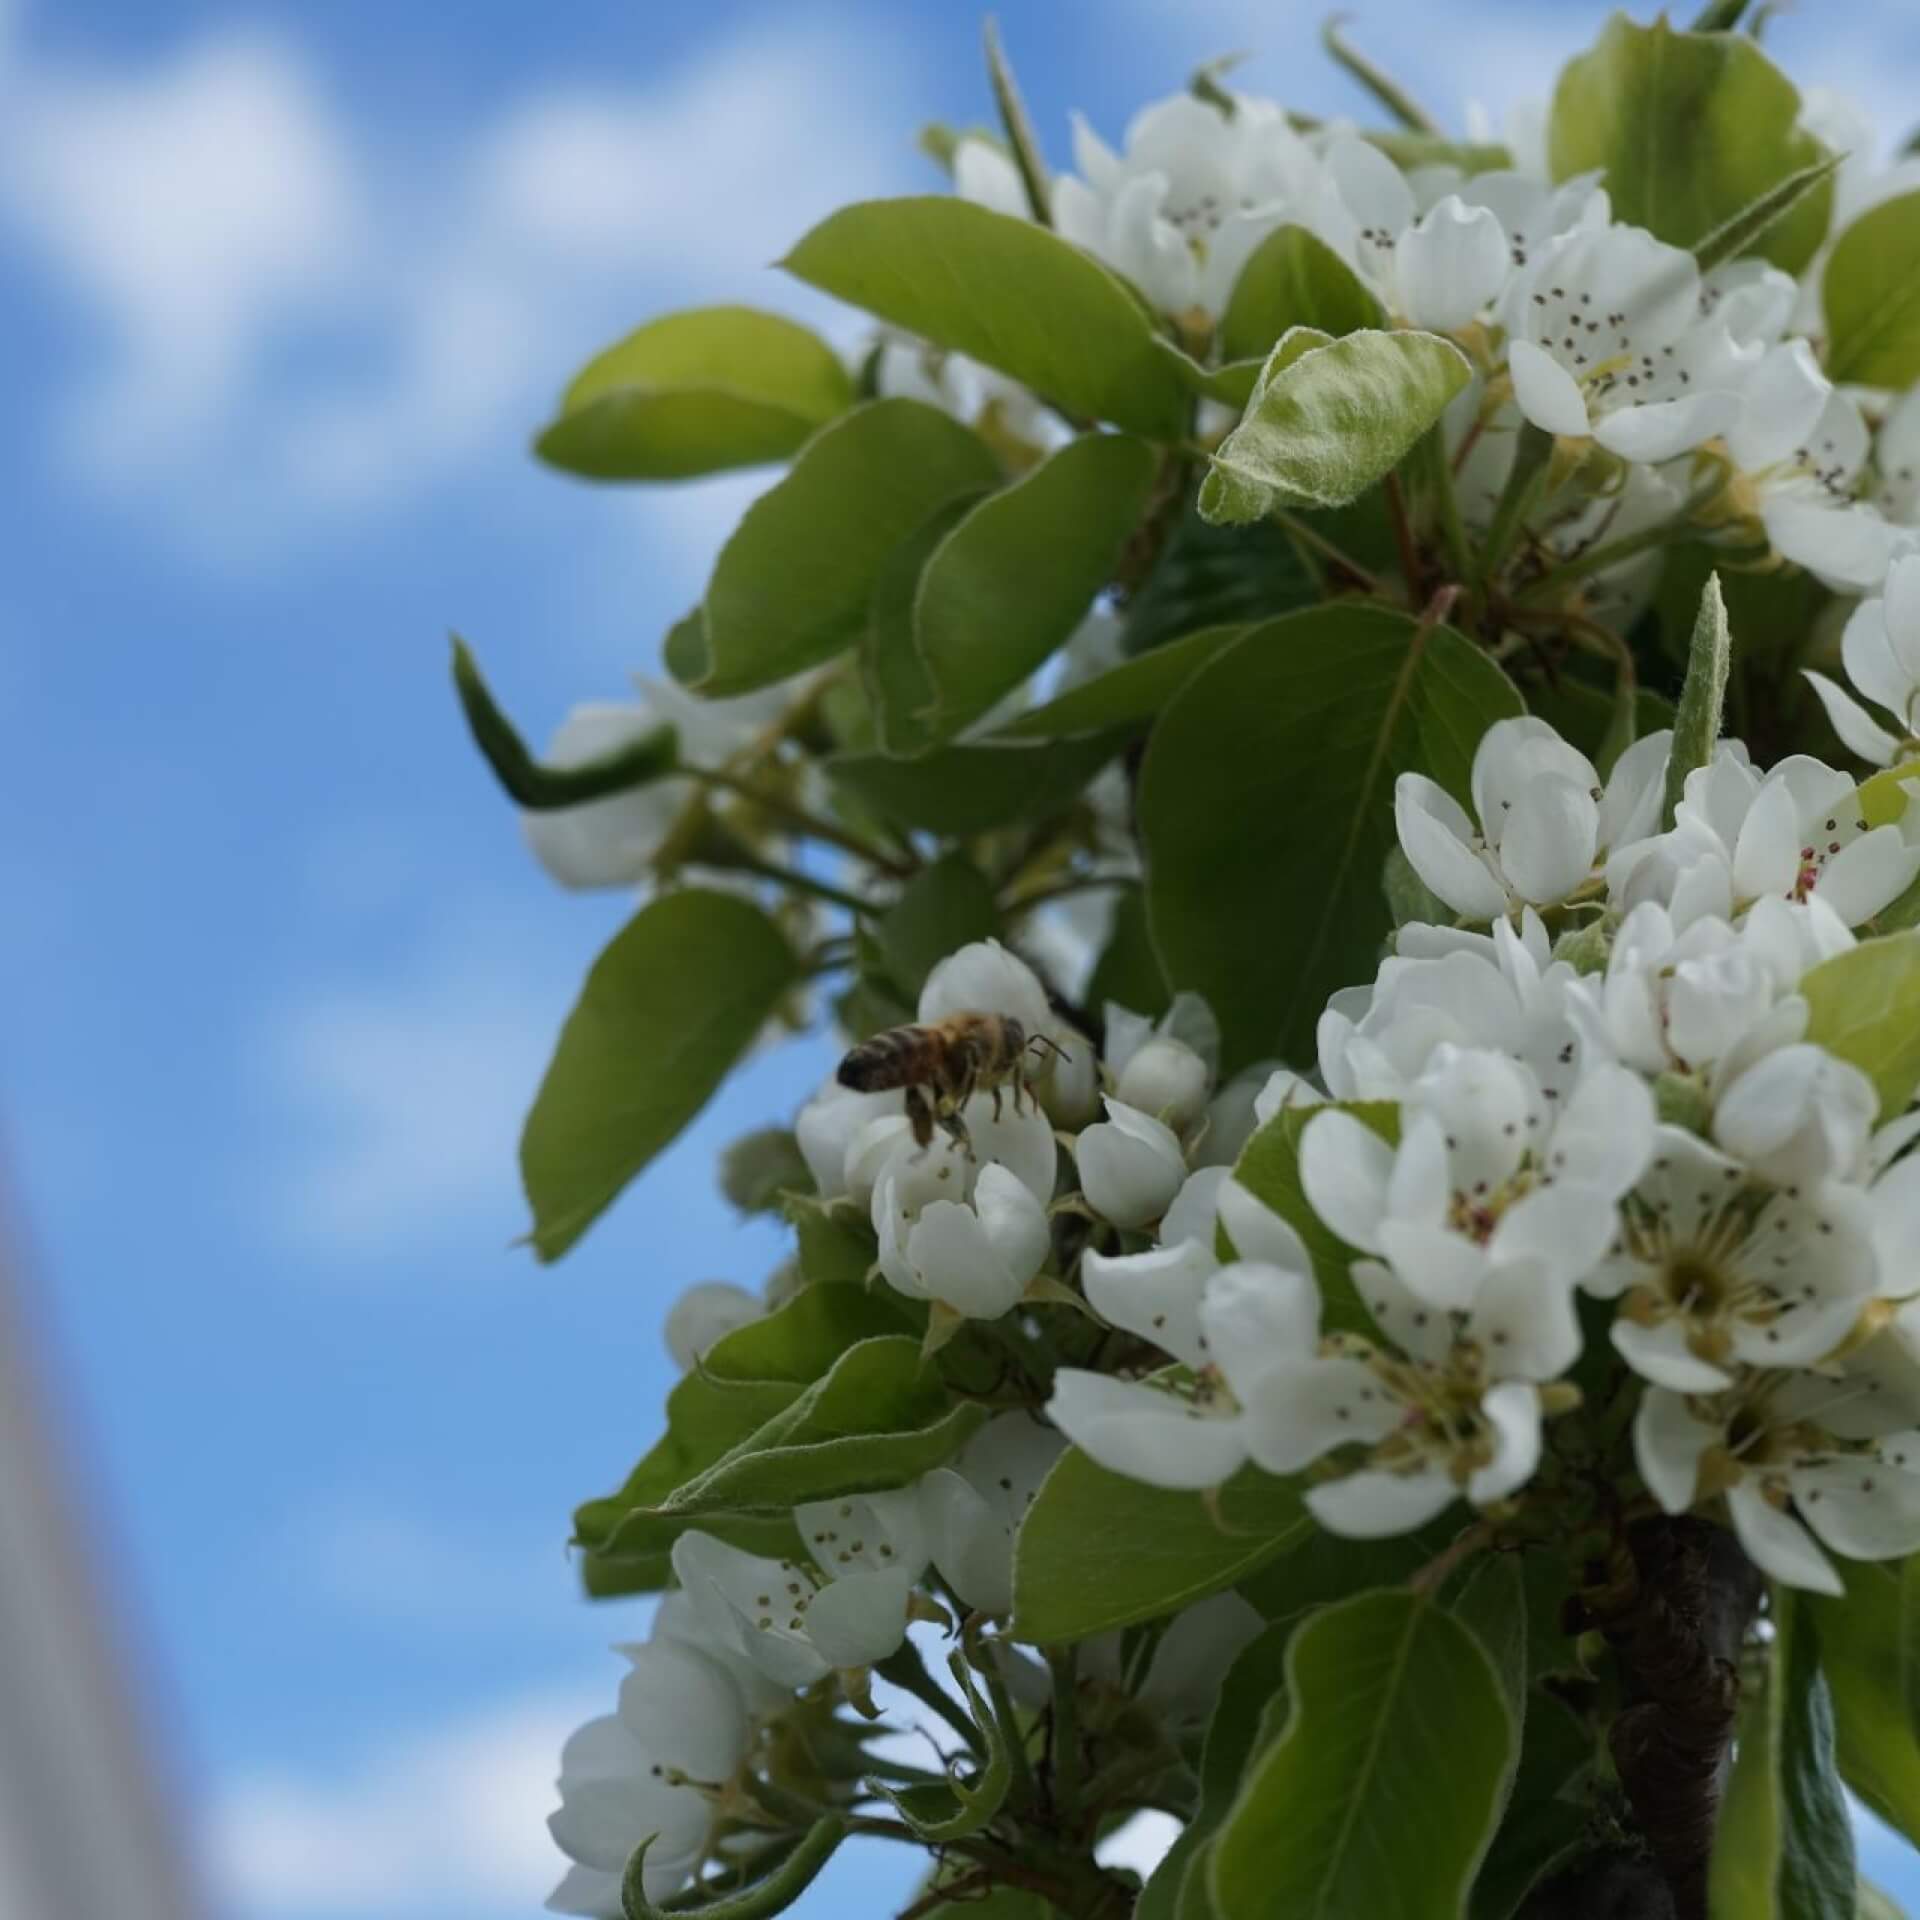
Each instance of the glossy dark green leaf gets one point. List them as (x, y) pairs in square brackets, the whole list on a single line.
[(1382, 1791), (1128, 695), (1128, 971), (667, 1010), (1097, 1550), (791, 585), (1009, 294), (1547, 1817), (697, 392), (941, 909), (1266, 807), (974, 788), (1014, 578), (1209, 576), (1689, 129), (894, 674)]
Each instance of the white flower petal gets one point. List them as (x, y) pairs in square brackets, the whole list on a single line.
[(1545, 392), (1778, 1544), (1661, 429), (1438, 851), (1344, 1168), (1667, 1444), (1131, 1166), (1155, 1295), (1145, 1434), (1372, 1504), (1257, 1232), (1547, 848), (1660, 1353), (1512, 1410), (1301, 1411)]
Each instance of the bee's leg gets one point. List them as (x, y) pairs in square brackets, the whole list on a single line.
[(996, 1103), (920, 1115)]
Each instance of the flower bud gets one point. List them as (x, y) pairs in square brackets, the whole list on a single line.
[(704, 1314), (1168, 1079), (1130, 1165)]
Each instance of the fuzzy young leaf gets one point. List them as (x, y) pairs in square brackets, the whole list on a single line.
[(1017, 574), (1293, 279), (1696, 725), (1266, 807), (1097, 1550), (1871, 290), (1690, 129), (696, 393), (791, 585), (668, 1008), (1382, 1791), (1870, 1653), (1009, 294), (1325, 423), (1865, 1006)]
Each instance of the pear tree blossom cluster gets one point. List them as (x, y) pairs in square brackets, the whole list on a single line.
[(1488, 565)]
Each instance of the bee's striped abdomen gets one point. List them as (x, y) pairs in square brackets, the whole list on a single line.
[(897, 1058)]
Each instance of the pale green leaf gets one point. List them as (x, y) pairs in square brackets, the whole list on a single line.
[(1324, 424), (791, 585), (695, 393), (1009, 294), (1742, 233), (1696, 723), (891, 668), (1689, 129), (1870, 1652), (1293, 279), (1382, 1791), (668, 1008), (1266, 807), (1871, 289), (1865, 1006)]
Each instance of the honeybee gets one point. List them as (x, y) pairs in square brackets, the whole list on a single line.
[(943, 1065)]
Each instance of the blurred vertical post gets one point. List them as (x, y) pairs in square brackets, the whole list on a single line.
[(85, 1828)]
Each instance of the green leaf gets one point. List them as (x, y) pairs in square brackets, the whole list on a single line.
[(1210, 576), (1293, 279), (1884, 799), (1249, 1691), (1742, 232), (1324, 424), (1690, 130), (1097, 1550), (1870, 1653), (1325, 1567), (958, 1808), (1381, 1794), (1875, 1903), (1022, 142), (941, 909), (684, 651), (1007, 293), (1492, 1606), (765, 1898), (891, 668), (1017, 575), (761, 1168), (1546, 1821), (880, 1418), (1581, 713), (694, 393), (1269, 1169), (790, 588), (1784, 1847), (539, 787), (1696, 723), (1266, 807), (1128, 695), (837, 1246), (1865, 1006), (975, 788), (668, 1008), (1871, 290)]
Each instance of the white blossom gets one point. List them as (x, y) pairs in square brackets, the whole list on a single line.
[(1164, 1067), (705, 1313), (1798, 1115), (625, 1777), (967, 1225), (1131, 1165), (985, 978), (972, 1509), (1881, 652)]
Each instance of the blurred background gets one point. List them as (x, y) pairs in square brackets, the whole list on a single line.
[(286, 287)]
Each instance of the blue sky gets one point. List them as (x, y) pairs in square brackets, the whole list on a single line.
[(288, 287)]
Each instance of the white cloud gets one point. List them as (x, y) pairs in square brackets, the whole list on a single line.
[(299, 319), (428, 1821), (406, 1098)]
